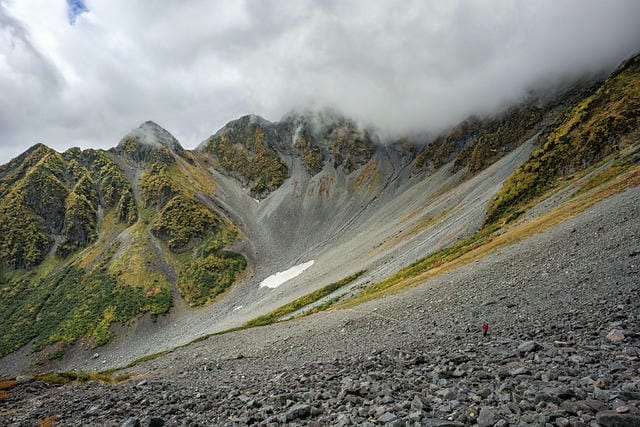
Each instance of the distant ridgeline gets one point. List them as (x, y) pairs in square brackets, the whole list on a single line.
[(93, 237)]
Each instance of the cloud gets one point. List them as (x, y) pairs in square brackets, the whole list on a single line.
[(402, 66)]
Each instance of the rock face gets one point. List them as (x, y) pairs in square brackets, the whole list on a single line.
[(409, 358)]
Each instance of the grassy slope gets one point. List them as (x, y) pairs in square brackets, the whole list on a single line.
[(117, 274), (595, 127)]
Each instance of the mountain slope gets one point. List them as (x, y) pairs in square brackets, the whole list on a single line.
[(111, 231), (600, 124), (148, 227)]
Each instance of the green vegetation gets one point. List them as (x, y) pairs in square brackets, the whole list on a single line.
[(596, 126), (477, 143), (309, 151), (31, 207), (138, 152), (182, 222), (25, 241), (434, 260), (109, 268), (211, 271), (156, 186), (349, 146), (301, 302), (44, 193), (69, 304), (617, 167), (245, 151), (61, 378), (80, 217), (113, 187)]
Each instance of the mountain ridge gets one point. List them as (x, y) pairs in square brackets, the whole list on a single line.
[(149, 227)]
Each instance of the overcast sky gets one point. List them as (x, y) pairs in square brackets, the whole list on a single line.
[(84, 73)]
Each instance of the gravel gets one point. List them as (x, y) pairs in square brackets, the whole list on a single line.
[(553, 303)]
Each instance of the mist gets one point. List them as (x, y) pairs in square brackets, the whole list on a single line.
[(86, 76)]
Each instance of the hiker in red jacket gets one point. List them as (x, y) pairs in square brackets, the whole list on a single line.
[(485, 329)]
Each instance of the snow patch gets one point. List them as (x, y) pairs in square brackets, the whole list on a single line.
[(237, 308), (280, 277)]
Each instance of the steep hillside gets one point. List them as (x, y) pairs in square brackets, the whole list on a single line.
[(130, 241), (605, 122), (94, 238), (50, 202)]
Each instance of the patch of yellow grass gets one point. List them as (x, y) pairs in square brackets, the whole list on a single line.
[(47, 422), (109, 227), (193, 176), (7, 384), (367, 175), (133, 267)]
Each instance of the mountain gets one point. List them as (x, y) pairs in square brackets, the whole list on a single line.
[(155, 245)]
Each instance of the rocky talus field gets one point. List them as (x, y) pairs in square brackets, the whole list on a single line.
[(563, 350)]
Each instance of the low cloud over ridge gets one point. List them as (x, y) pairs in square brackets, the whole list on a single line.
[(403, 66)]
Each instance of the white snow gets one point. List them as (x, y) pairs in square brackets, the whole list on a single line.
[(237, 308), (280, 277)]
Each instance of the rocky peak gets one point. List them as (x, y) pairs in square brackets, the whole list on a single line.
[(150, 133), (149, 143), (242, 129)]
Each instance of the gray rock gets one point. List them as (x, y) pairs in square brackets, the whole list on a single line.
[(416, 415), (156, 422), (529, 346), (614, 419), (487, 417), (616, 367), (131, 422), (629, 395), (343, 420), (300, 410), (447, 393), (601, 394), (387, 417), (545, 397), (565, 393), (595, 405), (522, 370), (441, 423), (24, 379), (416, 404)]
